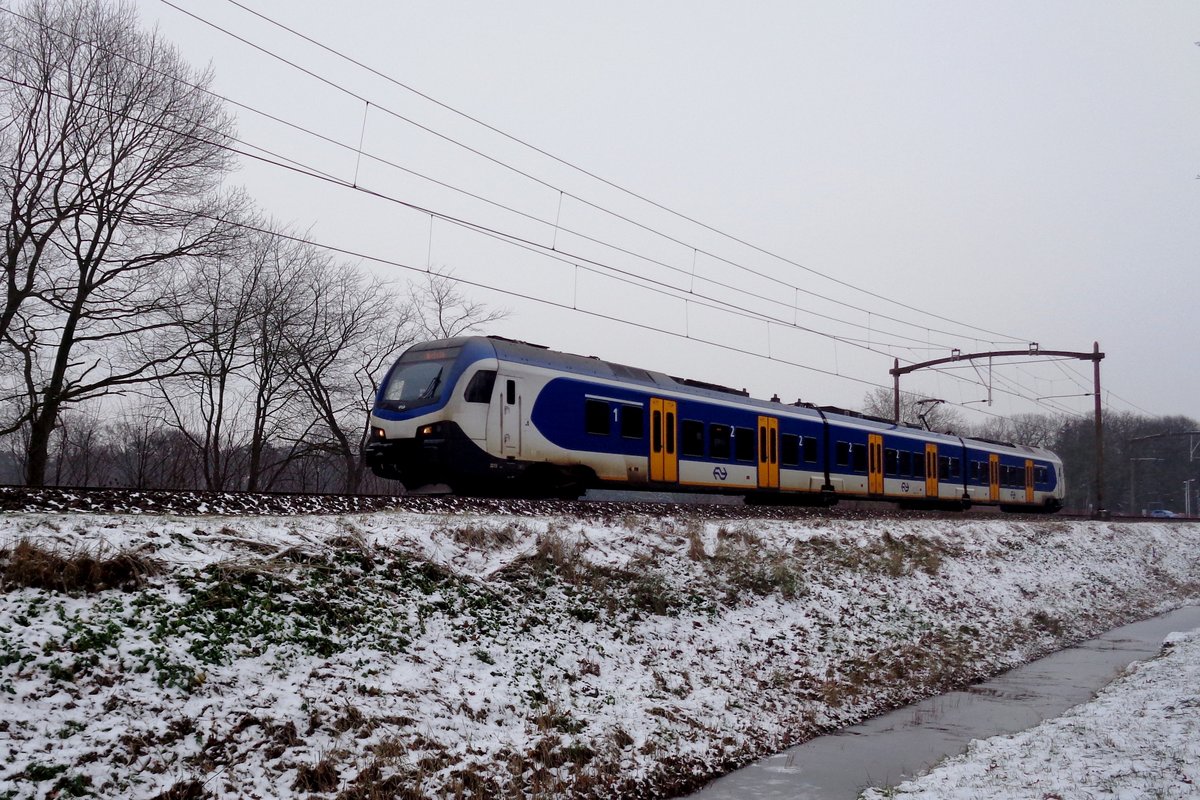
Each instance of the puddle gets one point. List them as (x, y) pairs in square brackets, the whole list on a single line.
[(889, 748)]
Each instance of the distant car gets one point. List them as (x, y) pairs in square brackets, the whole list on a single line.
[(1162, 513)]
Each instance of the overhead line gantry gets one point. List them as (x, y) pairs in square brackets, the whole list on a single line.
[(1033, 350)]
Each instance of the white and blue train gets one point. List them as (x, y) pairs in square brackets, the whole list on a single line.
[(487, 415)]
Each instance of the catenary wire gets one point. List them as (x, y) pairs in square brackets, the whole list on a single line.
[(339, 182), (266, 156), (531, 298), (311, 172), (1004, 338), (794, 307)]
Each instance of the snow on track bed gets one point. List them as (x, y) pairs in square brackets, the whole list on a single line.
[(1140, 738), (509, 654)]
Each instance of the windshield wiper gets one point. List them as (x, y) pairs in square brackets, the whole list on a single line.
[(433, 385)]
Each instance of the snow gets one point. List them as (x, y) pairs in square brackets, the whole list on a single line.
[(502, 655), (1139, 738)]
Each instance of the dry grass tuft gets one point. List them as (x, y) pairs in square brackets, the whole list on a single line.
[(481, 536), (319, 777), (28, 565), (185, 790), (555, 554), (370, 784)]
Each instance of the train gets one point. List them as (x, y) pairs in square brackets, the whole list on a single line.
[(486, 415)]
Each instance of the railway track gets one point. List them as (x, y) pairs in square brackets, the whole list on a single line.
[(77, 499)]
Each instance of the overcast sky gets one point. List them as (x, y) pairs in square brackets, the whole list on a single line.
[(1027, 168)]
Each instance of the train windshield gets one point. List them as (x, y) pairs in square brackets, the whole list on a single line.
[(418, 377)]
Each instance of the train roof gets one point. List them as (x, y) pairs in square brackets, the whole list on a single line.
[(541, 356)]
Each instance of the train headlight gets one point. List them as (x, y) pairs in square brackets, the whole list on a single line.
[(431, 430), (378, 433)]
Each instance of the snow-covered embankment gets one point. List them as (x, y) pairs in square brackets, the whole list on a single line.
[(410, 655)]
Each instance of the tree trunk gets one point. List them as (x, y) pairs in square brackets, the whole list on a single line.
[(37, 459)]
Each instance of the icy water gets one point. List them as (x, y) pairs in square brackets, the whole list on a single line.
[(887, 749)]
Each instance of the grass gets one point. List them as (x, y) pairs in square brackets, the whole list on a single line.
[(33, 566)]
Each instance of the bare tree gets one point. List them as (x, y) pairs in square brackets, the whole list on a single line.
[(444, 310), (1035, 430), (915, 409), (236, 399), (282, 420), (138, 146), (353, 326), (38, 177), (206, 401), (137, 461), (78, 450)]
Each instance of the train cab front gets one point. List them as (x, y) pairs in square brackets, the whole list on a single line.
[(418, 434)]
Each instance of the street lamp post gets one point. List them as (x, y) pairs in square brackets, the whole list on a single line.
[(1187, 496)]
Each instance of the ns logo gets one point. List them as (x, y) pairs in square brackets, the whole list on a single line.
[(720, 473)]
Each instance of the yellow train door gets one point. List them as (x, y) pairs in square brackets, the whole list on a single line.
[(768, 453), (875, 463), (993, 477), (931, 470), (664, 459), (1028, 481)]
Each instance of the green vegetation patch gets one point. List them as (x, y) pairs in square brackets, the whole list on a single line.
[(319, 606)]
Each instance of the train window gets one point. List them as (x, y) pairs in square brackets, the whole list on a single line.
[(789, 449), (762, 445), (943, 468), (418, 377), (955, 469), (718, 441), (1041, 475), (595, 417), (891, 462), (510, 392), (843, 454), (810, 449), (632, 422), (743, 444), (905, 465), (1008, 478), (918, 465), (479, 390), (858, 454), (670, 432), (691, 438), (656, 431)]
